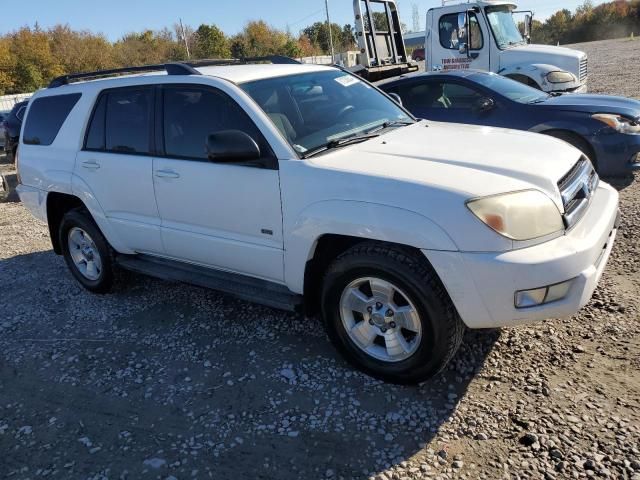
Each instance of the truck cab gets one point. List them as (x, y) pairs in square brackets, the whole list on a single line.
[(484, 35)]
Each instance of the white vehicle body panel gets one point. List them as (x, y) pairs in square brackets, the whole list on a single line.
[(409, 186)]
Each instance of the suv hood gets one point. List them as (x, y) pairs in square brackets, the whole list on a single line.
[(466, 160), (565, 58), (596, 104)]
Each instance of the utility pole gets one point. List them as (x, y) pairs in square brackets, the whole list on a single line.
[(326, 3), (186, 41)]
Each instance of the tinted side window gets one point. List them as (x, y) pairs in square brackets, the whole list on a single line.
[(96, 133), (418, 96), (46, 118), (460, 97), (128, 121), (191, 114)]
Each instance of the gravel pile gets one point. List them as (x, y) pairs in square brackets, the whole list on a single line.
[(167, 381)]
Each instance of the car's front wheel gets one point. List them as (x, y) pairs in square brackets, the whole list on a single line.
[(86, 252), (387, 311)]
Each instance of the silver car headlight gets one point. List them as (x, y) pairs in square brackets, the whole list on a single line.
[(618, 123), (520, 216), (560, 77)]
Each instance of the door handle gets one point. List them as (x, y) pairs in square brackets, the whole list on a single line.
[(91, 165), (167, 174)]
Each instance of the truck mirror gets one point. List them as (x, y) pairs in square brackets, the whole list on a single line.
[(463, 33), (528, 20)]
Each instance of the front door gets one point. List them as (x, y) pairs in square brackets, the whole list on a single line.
[(226, 216), (451, 33), (116, 166)]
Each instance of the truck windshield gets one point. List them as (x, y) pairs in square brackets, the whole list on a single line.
[(323, 109), (503, 26), (516, 91)]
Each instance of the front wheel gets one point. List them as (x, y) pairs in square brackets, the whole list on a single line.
[(386, 310)]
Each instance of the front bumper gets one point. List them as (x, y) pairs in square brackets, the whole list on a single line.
[(482, 285), (617, 154)]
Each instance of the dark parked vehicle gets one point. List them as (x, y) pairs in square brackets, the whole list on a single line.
[(418, 54), (605, 128), (3, 116), (12, 126)]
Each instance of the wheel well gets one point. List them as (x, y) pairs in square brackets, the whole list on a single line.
[(565, 134), (524, 79), (328, 248), (58, 204)]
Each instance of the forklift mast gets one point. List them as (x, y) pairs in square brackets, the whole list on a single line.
[(380, 40)]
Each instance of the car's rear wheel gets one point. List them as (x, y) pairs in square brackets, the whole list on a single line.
[(386, 310), (86, 252)]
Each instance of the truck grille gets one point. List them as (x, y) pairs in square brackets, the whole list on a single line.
[(577, 188), (584, 69)]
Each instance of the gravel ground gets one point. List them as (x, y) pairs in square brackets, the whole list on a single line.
[(167, 381)]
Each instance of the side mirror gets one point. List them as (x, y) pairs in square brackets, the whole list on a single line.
[(232, 146), (528, 23), (463, 36), (485, 104), (396, 98)]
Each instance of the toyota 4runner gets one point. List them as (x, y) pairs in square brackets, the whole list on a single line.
[(294, 185)]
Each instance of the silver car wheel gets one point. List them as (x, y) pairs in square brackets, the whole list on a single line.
[(380, 319), (85, 254)]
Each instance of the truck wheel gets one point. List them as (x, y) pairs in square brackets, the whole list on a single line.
[(86, 252), (577, 141), (387, 312)]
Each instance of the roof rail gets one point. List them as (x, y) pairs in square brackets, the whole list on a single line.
[(171, 69), (175, 68)]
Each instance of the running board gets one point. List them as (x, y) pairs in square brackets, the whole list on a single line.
[(246, 288)]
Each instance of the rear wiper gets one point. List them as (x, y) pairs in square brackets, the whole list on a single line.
[(341, 142)]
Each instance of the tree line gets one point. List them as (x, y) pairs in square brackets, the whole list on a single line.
[(31, 56), (588, 23)]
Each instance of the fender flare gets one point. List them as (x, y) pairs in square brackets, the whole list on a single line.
[(81, 190), (369, 221), (535, 72)]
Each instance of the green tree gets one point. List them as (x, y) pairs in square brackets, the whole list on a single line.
[(210, 42)]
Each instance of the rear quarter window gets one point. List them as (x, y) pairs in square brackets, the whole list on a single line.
[(46, 117)]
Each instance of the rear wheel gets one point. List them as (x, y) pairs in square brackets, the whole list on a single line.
[(86, 252), (386, 310)]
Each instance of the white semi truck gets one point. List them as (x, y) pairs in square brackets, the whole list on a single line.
[(484, 35)]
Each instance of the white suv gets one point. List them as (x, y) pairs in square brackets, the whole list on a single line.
[(294, 185)]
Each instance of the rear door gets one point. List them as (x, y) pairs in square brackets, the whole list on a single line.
[(226, 216), (116, 165)]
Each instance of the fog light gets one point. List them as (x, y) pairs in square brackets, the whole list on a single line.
[(530, 298), (542, 296)]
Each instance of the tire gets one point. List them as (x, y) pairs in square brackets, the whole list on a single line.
[(577, 141), (416, 288), (78, 225)]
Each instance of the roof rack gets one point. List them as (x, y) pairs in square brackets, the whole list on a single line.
[(175, 68)]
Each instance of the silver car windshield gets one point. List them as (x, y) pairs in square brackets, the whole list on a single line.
[(503, 26), (319, 109)]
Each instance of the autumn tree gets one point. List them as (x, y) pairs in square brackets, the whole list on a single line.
[(210, 42)]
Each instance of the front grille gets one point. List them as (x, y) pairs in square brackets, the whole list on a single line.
[(584, 68), (577, 188)]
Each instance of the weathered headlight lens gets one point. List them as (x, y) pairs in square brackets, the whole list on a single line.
[(618, 123), (524, 215), (560, 77)]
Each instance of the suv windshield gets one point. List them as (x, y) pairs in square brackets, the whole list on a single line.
[(504, 27), (516, 91), (315, 111)]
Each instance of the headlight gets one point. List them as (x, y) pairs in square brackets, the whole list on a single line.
[(560, 77), (520, 216), (618, 123)]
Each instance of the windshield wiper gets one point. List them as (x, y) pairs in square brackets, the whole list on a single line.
[(340, 142)]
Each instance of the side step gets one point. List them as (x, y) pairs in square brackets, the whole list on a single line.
[(246, 288)]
